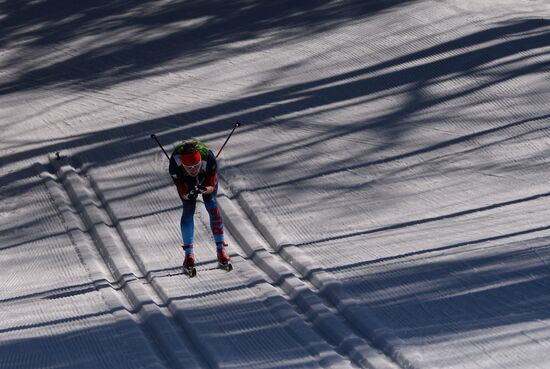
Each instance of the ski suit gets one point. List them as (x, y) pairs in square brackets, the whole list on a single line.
[(184, 183)]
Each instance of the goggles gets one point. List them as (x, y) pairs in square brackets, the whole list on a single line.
[(192, 168)]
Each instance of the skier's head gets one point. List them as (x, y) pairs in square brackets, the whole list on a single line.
[(190, 158)]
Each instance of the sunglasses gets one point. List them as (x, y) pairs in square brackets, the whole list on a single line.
[(192, 168)]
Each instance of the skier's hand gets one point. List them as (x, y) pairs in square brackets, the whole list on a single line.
[(197, 190), (189, 197), (206, 190), (192, 194)]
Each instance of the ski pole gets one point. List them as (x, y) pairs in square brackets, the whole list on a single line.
[(154, 137), (228, 137)]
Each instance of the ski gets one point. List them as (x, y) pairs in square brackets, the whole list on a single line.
[(190, 272), (227, 266)]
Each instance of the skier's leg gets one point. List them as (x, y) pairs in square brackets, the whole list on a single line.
[(187, 224), (216, 225), (216, 220)]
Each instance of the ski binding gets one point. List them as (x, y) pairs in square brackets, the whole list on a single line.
[(227, 266), (191, 272)]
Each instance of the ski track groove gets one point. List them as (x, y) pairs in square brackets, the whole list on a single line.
[(56, 311), (184, 307), (279, 307), (280, 311), (331, 325), (356, 313), (304, 265), (155, 322)]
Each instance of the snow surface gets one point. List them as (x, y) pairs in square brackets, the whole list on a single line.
[(386, 198)]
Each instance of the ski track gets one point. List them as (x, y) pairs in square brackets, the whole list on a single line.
[(72, 318), (203, 306), (385, 200)]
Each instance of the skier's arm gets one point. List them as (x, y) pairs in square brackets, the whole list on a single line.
[(178, 181), (210, 178), (182, 189)]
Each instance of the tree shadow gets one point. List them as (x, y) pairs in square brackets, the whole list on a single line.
[(75, 348), (105, 346), (412, 223), (481, 296), (212, 26), (519, 37), (100, 338), (130, 40), (507, 277)]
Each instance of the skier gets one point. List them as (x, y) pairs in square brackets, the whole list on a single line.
[(193, 169)]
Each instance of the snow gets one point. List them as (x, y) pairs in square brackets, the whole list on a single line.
[(385, 199)]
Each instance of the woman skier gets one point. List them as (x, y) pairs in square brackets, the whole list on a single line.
[(193, 169)]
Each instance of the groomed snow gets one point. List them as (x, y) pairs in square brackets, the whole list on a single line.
[(386, 198)]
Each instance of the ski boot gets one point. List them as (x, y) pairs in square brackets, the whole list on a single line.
[(189, 263), (224, 261)]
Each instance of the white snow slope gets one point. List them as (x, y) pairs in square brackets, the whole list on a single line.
[(386, 198)]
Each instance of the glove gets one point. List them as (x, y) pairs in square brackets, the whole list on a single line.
[(192, 194), (197, 190), (207, 190)]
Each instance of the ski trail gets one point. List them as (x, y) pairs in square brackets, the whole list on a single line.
[(55, 310), (329, 323), (232, 319), (154, 319), (352, 310), (103, 281)]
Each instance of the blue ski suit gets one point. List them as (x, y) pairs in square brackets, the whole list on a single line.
[(184, 183)]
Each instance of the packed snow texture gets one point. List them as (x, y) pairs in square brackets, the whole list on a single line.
[(386, 198)]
